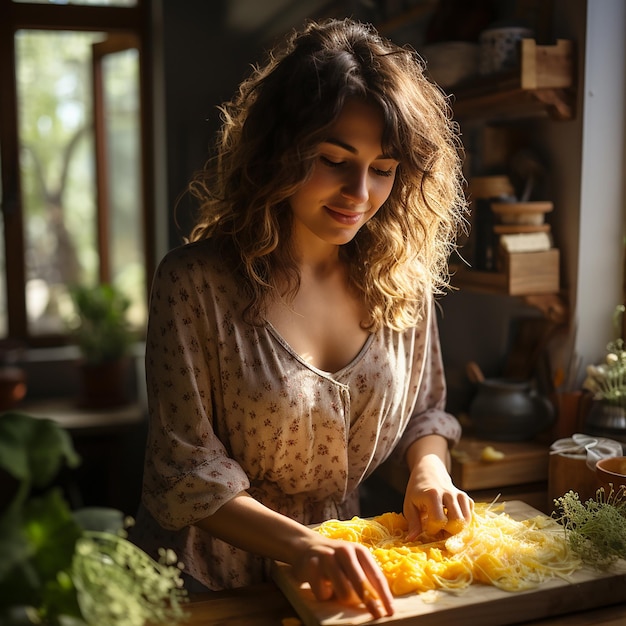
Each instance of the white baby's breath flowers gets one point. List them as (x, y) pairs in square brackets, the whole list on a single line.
[(607, 381)]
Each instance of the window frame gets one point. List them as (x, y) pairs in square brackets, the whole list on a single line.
[(135, 21)]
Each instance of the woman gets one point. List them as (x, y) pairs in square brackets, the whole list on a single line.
[(292, 344)]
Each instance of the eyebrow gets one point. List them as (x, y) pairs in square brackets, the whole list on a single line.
[(353, 150)]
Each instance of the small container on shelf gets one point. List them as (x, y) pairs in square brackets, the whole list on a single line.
[(521, 213)]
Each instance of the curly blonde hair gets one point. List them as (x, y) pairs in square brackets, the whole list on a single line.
[(267, 147)]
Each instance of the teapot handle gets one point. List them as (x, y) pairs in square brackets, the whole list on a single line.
[(545, 408)]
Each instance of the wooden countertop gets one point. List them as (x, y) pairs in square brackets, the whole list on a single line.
[(265, 605)]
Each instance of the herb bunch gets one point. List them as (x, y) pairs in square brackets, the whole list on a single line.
[(595, 529)]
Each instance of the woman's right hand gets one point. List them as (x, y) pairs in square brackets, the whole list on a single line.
[(346, 571), (334, 568)]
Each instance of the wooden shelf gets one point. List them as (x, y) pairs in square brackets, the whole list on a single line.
[(543, 85)]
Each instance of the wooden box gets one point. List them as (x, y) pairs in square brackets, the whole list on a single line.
[(532, 272), (523, 274)]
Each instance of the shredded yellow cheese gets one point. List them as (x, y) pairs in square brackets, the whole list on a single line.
[(493, 549)]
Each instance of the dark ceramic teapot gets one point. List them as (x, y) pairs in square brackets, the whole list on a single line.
[(509, 410)]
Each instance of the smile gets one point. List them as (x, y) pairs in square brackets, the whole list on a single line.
[(343, 218)]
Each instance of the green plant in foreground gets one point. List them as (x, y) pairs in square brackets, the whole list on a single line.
[(52, 570), (118, 583), (596, 529)]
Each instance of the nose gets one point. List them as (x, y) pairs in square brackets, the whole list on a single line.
[(355, 186)]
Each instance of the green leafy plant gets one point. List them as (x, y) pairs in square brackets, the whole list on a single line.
[(55, 572), (595, 529), (102, 329)]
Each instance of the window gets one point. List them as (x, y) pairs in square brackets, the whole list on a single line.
[(74, 137)]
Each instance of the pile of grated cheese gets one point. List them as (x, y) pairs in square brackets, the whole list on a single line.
[(493, 549)]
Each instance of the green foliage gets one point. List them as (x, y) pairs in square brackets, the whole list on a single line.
[(34, 450), (103, 332), (596, 529), (59, 571), (37, 530)]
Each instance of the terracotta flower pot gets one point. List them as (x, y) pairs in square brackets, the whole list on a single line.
[(12, 387), (105, 385)]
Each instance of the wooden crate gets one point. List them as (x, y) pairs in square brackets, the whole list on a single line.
[(532, 272), (523, 274)]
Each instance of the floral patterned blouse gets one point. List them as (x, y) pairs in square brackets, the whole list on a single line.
[(232, 408)]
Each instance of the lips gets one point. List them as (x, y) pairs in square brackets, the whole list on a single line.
[(348, 219)]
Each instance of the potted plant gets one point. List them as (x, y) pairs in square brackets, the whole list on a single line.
[(105, 339), (607, 384)]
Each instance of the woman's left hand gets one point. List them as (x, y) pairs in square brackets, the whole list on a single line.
[(432, 503)]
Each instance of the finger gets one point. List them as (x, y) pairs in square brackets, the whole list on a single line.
[(467, 506), (321, 586), (434, 518), (376, 594), (458, 511), (413, 518), (334, 569), (322, 589), (325, 590), (371, 599), (367, 583)]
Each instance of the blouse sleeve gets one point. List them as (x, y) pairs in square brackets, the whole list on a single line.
[(429, 416), (188, 474)]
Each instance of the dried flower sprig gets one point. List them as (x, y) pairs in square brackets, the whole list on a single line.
[(595, 529), (607, 381)]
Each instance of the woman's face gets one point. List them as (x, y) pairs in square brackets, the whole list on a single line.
[(351, 179)]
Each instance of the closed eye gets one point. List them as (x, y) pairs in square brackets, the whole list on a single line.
[(330, 163), (388, 172)]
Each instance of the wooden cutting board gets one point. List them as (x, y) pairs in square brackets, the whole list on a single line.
[(479, 605)]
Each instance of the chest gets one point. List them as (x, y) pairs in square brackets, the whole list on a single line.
[(323, 326)]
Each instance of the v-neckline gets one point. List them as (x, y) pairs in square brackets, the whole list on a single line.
[(328, 374)]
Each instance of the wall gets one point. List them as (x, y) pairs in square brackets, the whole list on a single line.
[(601, 184), (203, 62)]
